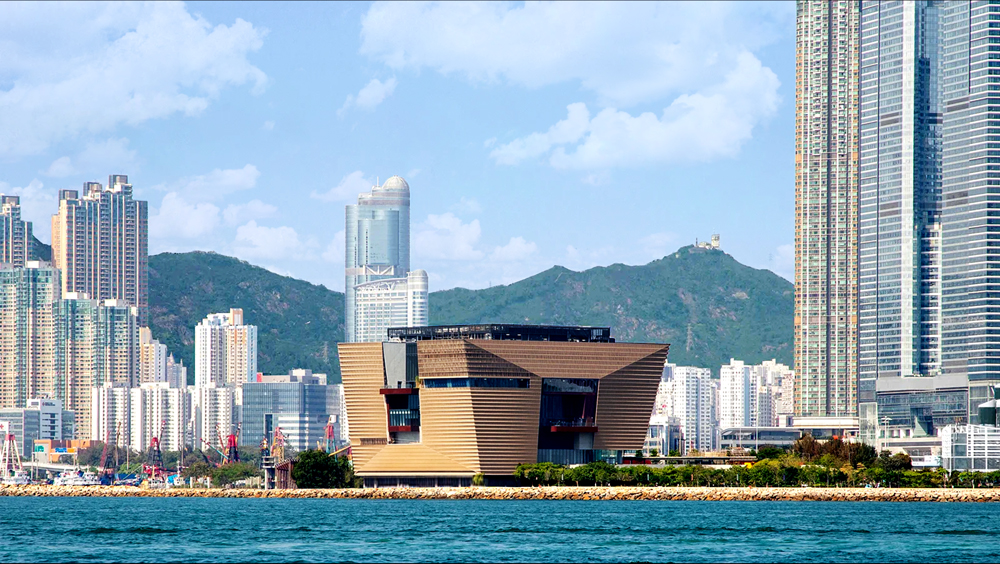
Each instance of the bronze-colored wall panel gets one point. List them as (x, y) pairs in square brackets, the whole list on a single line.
[(415, 458), (492, 430), (569, 360), (363, 374), (446, 424), (506, 427), (625, 402)]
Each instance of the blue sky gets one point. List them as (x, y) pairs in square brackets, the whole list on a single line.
[(530, 134)]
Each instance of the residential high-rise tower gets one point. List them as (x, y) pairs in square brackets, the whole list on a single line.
[(826, 192), (100, 243), (225, 350), (16, 239)]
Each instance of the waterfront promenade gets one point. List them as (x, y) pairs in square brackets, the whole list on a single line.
[(534, 493)]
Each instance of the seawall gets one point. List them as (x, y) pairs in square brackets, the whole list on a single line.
[(540, 493)]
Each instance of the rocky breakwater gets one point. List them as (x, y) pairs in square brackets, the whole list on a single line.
[(619, 493)]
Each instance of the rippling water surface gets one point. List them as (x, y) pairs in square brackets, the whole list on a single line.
[(249, 530)]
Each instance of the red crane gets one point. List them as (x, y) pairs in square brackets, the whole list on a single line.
[(105, 462), (232, 445), (154, 467)]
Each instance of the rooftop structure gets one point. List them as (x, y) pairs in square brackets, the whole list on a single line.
[(504, 332)]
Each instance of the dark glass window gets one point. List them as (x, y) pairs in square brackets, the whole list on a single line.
[(475, 382)]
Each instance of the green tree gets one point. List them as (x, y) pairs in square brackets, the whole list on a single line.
[(317, 469), (229, 473), (768, 451)]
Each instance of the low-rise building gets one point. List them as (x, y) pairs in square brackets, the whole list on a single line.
[(42, 419), (301, 403)]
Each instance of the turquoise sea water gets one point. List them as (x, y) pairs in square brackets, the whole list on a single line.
[(250, 530)]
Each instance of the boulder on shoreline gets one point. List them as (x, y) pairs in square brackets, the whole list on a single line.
[(613, 493)]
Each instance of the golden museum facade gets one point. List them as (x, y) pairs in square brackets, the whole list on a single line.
[(435, 406)]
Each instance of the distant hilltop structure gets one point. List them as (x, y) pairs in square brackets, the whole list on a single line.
[(715, 244)]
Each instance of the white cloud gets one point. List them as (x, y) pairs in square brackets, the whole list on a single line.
[(517, 249), (370, 96), (569, 130), (782, 261), (657, 245), (259, 242), (96, 159), (216, 184), (696, 58), (178, 218), (627, 53), (697, 127), (37, 205), (60, 168), (88, 68), (467, 206), (582, 259), (445, 237), (350, 186), (335, 250), (236, 214), (268, 126), (489, 142)]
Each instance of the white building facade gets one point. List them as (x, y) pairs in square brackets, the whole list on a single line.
[(155, 406), (214, 414), (686, 394), (735, 394), (225, 350), (396, 302)]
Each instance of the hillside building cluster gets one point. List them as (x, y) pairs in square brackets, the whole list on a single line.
[(78, 361)]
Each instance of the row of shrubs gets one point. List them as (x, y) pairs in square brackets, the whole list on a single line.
[(769, 472)]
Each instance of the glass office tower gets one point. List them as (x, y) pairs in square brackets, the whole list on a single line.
[(900, 198), (377, 238), (826, 189), (971, 195)]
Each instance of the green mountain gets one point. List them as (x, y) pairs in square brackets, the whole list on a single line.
[(703, 302), (298, 324)]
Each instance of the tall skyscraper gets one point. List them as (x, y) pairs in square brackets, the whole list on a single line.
[(100, 243), (826, 207), (225, 350), (16, 239), (970, 216), (29, 299), (377, 239), (97, 345), (900, 199)]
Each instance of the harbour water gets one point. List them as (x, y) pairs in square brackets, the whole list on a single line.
[(360, 530)]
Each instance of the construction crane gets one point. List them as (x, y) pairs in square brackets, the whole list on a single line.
[(155, 465), (10, 458), (232, 445), (265, 450), (216, 449), (331, 436), (105, 464), (278, 447)]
